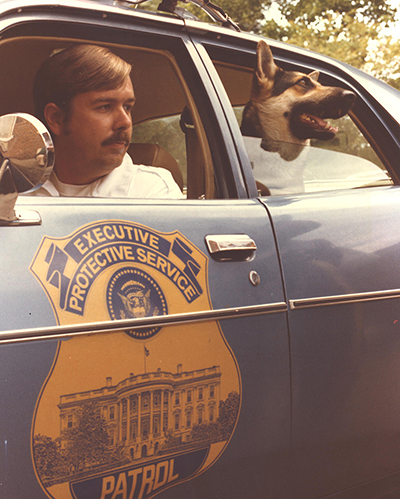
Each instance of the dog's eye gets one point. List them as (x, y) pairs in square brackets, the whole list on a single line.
[(303, 82)]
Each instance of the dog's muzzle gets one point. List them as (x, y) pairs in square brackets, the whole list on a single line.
[(308, 119)]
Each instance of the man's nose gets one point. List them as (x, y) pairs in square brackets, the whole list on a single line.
[(123, 119)]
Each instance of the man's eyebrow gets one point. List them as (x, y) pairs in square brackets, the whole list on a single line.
[(109, 100)]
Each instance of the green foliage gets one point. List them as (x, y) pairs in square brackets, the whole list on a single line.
[(310, 11), (337, 14), (348, 30), (384, 61), (346, 43)]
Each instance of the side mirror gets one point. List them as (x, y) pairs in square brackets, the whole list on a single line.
[(26, 159)]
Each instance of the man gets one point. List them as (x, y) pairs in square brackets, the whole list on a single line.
[(84, 95)]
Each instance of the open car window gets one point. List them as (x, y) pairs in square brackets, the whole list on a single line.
[(346, 161), (168, 131), (313, 169)]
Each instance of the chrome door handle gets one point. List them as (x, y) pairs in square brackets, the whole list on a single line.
[(231, 246)]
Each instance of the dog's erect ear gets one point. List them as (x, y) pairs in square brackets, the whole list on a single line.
[(314, 75), (266, 67)]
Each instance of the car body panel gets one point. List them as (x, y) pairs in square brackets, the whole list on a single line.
[(343, 330)]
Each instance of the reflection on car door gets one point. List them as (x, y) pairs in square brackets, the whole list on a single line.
[(341, 263)]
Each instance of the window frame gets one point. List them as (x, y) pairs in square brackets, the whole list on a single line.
[(114, 30), (373, 121)]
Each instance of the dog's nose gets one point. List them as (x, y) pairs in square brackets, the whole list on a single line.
[(349, 96)]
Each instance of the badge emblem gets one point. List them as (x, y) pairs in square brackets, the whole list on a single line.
[(132, 294), (126, 415)]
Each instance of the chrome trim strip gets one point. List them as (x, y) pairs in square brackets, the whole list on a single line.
[(64, 332), (324, 301)]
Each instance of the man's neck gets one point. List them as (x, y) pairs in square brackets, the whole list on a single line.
[(71, 177), (74, 171)]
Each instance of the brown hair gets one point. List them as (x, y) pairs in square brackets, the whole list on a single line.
[(75, 70)]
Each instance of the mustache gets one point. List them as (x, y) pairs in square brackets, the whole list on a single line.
[(120, 136)]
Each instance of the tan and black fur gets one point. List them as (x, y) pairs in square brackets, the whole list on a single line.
[(287, 108)]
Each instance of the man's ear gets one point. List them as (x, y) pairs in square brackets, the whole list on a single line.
[(54, 117)]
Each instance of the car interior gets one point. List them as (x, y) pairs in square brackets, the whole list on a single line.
[(167, 129)]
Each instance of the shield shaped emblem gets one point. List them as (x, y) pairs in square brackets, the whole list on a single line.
[(124, 415)]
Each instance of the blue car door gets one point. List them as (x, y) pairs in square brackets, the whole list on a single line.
[(219, 369)]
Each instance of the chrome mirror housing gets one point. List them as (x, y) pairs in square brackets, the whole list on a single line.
[(26, 159)]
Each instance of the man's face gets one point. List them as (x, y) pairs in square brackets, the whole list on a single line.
[(96, 134)]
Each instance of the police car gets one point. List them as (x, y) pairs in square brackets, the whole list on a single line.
[(243, 342)]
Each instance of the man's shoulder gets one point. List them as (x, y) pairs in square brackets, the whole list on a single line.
[(140, 181), (150, 173)]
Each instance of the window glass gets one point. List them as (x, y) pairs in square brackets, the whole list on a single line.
[(345, 162), (166, 133)]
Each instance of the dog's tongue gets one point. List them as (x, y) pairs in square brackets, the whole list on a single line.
[(321, 124)]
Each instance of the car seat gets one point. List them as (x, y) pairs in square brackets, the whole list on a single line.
[(154, 155)]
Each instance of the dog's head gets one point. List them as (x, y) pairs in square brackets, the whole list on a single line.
[(289, 106)]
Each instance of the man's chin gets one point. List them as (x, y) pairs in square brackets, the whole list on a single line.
[(114, 155), (118, 149), (108, 163)]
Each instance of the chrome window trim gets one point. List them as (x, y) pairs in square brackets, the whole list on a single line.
[(324, 301), (65, 332)]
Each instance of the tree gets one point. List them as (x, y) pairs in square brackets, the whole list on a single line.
[(223, 427), (228, 413), (46, 453), (348, 30), (206, 431), (383, 61), (310, 11), (87, 441), (171, 441)]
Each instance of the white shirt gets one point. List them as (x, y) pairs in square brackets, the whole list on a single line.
[(126, 181)]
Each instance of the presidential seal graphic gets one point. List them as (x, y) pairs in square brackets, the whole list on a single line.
[(132, 293), (126, 414)]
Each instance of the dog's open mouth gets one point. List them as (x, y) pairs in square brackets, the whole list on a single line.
[(317, 123), (308, 119), (306, 125)]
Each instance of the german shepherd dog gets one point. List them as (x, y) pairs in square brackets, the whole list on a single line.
[(287, 108)]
